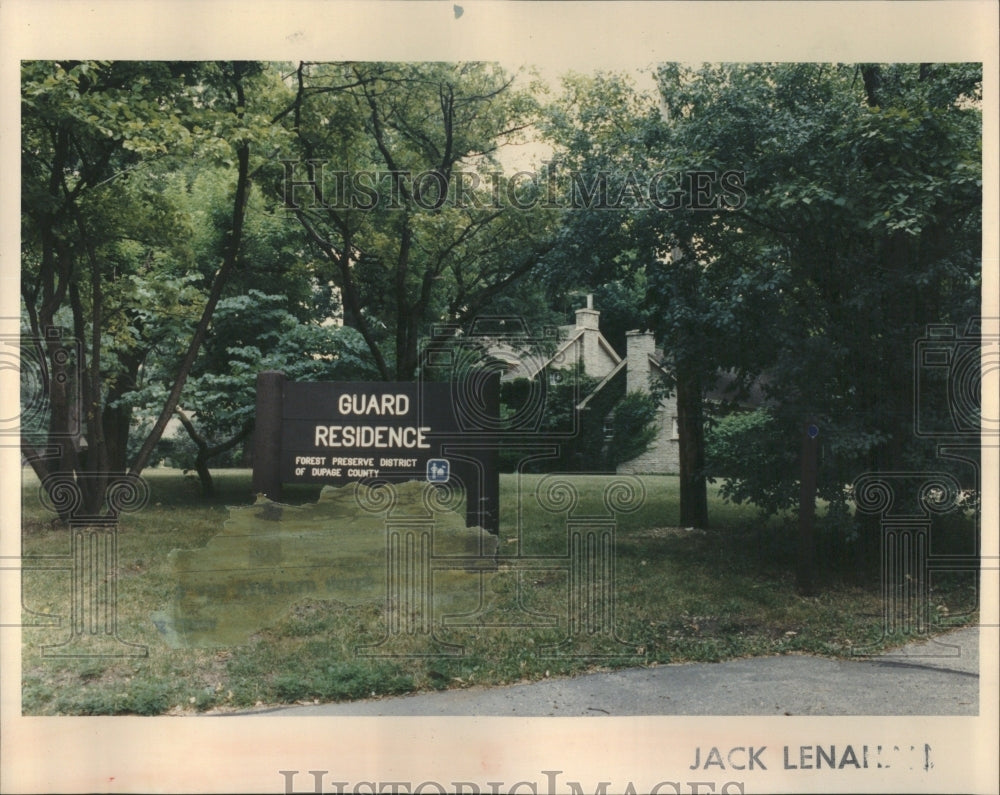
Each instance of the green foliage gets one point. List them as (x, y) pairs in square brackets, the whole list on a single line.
[(580, 434), (858, 225), (253, 332), (756, 457), (143, 698), (634, 427), (405, 260), (332, 679), (584, 445), (117, 249)]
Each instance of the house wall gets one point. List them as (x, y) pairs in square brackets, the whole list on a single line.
[(663, 455)]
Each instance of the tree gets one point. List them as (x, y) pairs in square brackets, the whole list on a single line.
[(862, 219), (392, 186), (249, 328), (612, 139), (849, 221), (867, 217), (98, 139)]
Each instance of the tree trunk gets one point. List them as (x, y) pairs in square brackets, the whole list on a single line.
[(117, 419), (872, 77), (206, 453), (691, 439)]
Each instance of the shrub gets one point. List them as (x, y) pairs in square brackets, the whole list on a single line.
[(756, 457)]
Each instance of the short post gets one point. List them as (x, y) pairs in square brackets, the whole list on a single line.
[(805, 574), (488, 506), (482, 483), (489, 500), (267, 434)]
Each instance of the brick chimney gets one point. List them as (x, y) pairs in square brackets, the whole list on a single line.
[(588, 317), (639, 346)]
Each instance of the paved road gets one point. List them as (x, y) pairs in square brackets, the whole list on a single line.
[(940, 677)]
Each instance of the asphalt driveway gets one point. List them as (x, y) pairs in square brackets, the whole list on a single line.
[(928, 677)]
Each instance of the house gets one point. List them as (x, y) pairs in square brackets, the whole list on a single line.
[(583, 345)]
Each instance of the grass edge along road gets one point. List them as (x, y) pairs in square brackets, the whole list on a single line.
[(681, 595)]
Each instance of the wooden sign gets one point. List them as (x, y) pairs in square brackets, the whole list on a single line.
[(341, 432)]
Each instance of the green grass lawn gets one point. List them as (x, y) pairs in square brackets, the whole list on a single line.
[(679, 595)]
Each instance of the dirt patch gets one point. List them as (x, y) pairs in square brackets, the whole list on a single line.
[(668, 532)]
